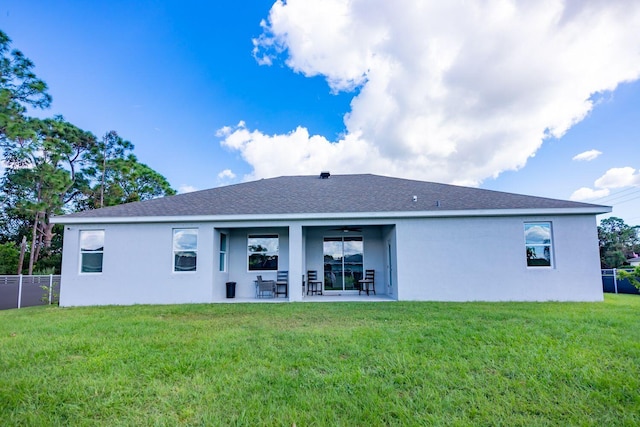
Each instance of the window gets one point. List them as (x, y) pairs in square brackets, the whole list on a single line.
[(263, 252), (223, 252), (91, 251), (538, 242), (185, 249)]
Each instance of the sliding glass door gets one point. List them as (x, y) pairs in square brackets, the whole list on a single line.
[(342, 262)]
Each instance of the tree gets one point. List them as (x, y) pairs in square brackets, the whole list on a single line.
[(618, 242), (42, 174), (109, 149), (52, 166), (19, 87), (116, 176), (55, 165), (632, 276), (130, 181), (9, 255)]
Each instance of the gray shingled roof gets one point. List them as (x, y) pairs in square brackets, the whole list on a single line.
[(337, 194)]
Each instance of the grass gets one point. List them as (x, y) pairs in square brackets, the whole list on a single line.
[(337, 364)]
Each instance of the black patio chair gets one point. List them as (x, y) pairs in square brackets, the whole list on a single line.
[(282, 283), (313, 284)]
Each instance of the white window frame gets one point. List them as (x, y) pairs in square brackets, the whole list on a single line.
[(550, 244), (224, 250), (83, 251), (249, 253), (175, 250)]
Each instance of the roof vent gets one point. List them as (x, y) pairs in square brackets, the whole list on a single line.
[(325, 175)]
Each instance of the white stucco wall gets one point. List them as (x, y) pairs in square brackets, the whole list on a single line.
[(442, 259), (483, 259), (137, 267)]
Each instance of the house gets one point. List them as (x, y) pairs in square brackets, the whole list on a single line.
[(634, 262), (185, 248)]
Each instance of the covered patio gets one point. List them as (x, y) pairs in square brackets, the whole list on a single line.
[(338, 253)]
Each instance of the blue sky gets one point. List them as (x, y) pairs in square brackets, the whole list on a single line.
[(503, 96)]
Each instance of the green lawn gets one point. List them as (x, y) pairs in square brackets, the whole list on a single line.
[(349, 364)]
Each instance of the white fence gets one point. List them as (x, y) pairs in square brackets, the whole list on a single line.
[(27, 291)]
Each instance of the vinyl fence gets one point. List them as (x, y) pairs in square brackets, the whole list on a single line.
[(27, 291), (611, 284)]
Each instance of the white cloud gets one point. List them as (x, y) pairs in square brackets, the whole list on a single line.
[(297, 152), (586, 193), (618, 178), (184, 188), (613, 178), (448, 91), (587, 156), (226, 174)]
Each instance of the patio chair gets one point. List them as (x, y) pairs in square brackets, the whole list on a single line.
[(368, 282), (265, 288), (282, 283), (313, 284)]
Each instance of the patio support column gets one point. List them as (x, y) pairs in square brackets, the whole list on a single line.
[(295, 262)]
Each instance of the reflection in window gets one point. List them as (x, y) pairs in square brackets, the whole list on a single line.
[(343, 258), (223, 252), (262, 250), (538, 242), (185, 249), (91, 251)]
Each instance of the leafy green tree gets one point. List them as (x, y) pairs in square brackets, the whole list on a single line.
[(51, 166), (111, 148), (130, 181), (12, 225), (9, 256), (19, 88), (618, 242), (41, 174), (632, 276), (116, 176), (613, 259)]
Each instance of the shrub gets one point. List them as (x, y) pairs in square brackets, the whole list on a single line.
[(632, 276), (9, 257)]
